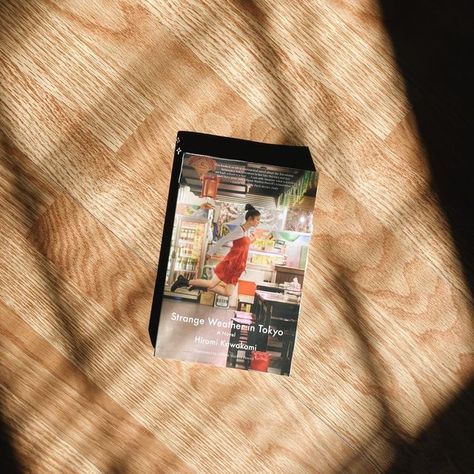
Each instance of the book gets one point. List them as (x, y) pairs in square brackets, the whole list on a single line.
[(234, 253)]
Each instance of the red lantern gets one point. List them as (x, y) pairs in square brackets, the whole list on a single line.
[(210, 184)]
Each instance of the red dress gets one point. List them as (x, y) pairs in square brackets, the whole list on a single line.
[(233, 264)]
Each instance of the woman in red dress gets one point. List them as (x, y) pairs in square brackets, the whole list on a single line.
[(228, 271)]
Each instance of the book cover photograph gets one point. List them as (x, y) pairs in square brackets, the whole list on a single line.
[(234, 252)]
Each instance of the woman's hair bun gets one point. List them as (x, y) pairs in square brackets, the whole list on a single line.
[(250, 212)]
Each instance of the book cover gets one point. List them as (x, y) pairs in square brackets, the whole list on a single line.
[(234, 252)]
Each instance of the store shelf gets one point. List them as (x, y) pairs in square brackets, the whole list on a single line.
[(256, 266), (265, 252)]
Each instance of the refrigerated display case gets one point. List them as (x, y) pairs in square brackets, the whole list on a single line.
[(187, 256)]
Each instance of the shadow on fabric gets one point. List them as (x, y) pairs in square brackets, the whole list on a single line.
[(433, 43)]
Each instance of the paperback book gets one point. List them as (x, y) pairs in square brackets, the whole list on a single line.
[(234, 253)]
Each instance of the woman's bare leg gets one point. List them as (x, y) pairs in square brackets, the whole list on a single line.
[(215, 285), (205, 283), (224, 289)]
